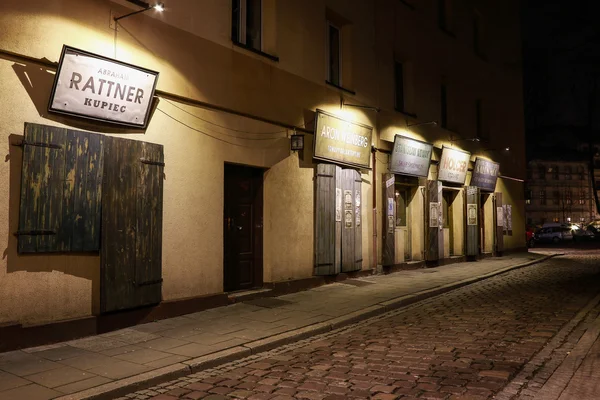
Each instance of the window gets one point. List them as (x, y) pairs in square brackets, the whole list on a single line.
[(568, 197), (581, 172), (554, 170), (568, 173), (334, 53), (445, 15), (528, 195), (541, 172), (582, 196), (478, 34), (399, 80), (246, 23), (444, 106), (556, 197), (555, 219), (543, 197), (401, 195)]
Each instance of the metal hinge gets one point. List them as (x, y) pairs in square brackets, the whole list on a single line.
[(38, 144), (150, 162), (154, 282), (35, 233)]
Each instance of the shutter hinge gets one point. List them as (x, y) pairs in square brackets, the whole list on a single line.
[(154, 282), (35, 233), (324, 265), (38, 144), (331, 176), (150, 162)]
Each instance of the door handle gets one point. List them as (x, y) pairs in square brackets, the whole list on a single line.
[(239, 228)]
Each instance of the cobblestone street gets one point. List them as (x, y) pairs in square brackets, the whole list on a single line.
[(468, 343)]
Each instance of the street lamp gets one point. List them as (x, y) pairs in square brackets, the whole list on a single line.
[(158, 7)]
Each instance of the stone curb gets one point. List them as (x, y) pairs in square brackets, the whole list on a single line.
[(138, 382)]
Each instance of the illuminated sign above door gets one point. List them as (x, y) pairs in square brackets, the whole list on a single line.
[(341, 141), (453, 165), (410, 157), (485, 174), (91, 86)]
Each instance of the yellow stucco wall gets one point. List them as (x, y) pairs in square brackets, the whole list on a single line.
[(191, 48)]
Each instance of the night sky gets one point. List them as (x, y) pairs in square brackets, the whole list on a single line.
[(561, 54)]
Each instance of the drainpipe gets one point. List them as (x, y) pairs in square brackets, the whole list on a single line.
[(374, 186)]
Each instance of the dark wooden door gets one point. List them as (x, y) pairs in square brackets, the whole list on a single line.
[(243, 228)]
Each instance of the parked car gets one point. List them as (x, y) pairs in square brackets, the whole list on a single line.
[(554, 234), (587, 233)]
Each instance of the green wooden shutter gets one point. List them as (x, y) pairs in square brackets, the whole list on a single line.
[(472, 217), (328, 219), (131, 265), (389, 220), (60, 190)]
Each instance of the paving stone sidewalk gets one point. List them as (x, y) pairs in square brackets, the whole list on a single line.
[(155, 352)]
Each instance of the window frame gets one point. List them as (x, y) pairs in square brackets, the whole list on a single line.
[(330, 25), (397, 107)]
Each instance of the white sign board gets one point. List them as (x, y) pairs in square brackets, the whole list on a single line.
[(91, 86), (453, 165), (410, 157)]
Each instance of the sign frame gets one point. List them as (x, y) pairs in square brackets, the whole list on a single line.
[(484, 188), (440, 163), (75, 50), (414, 140), (334, 161)]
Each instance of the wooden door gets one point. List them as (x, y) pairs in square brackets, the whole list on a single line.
[(243, 228), (473, 211), (435, 238), (328, 219), (131, 237)]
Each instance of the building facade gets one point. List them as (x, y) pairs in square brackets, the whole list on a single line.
[(559, 191), (201, 196)]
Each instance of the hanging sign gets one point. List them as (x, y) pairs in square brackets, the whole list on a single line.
[(341, 141), (453, 165), (485, 174), (91, 86), (410, 157)]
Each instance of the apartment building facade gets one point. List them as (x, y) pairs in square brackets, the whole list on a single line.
[(559, 191), (410, 114)]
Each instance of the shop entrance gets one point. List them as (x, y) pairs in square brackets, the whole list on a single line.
[(243, 228), (448, 198), (402, 235)]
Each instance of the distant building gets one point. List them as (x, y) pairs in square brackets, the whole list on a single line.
[(559, 191)]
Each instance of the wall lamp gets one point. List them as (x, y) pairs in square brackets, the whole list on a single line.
[(344, 104), (158, 7), (296, 142), (422, 123)]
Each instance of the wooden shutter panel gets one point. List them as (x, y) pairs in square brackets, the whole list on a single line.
[(388, 225), (131, 265), (499, 218), (328, 219), (472, 205), (61, 186), (358, 223), (348, 221), (42, 180), (435, 239)]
